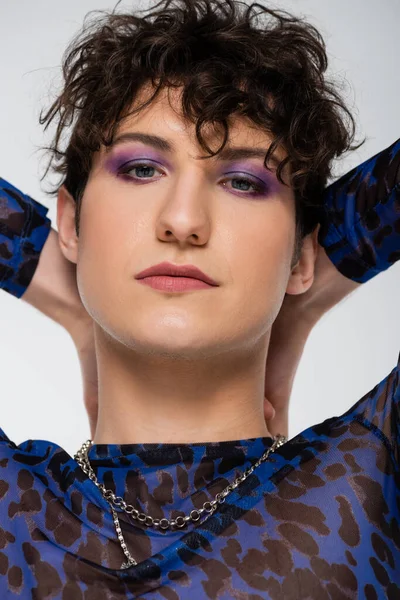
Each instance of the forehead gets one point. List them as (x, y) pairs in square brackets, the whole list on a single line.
[(164, 117)]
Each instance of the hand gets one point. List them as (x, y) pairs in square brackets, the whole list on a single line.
[(289, 334), (53, 290), (82, 333), (288, 337), (290, 331)]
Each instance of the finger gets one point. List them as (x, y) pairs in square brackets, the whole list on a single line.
[(269, 410)]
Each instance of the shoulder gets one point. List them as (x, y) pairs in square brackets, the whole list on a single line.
[(379, 411), (31, 467)]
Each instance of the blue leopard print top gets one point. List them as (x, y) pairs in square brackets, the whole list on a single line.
[(319, 520)]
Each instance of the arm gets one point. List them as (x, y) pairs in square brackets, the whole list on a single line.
[(33, 268), (24, 229), (290, 331), (53, 289), (359, 233), (359, 237), (48, 284), (360, 228)]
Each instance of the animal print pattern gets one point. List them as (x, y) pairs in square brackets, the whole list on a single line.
[(24, 228), (360, 224), (319, 520)]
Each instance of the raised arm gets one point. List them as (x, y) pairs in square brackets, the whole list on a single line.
[(33, 268), (359, 237), (360, 226), (24, 229), (48, 284)]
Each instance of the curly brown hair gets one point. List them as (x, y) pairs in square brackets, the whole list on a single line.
[(230, 59)]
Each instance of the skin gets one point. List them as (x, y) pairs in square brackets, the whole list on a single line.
[(184, 367)]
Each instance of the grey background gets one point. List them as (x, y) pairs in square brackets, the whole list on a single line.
[(350, 350)]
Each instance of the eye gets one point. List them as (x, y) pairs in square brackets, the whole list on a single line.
[(242, 184), (247, 185), (143, 171), (139, 170)]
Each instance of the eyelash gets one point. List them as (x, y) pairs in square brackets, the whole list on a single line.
[(258, 188)]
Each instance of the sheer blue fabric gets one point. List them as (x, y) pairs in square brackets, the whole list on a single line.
[(320, 519)]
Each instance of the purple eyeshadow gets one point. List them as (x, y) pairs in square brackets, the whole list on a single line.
[(261, 174), (116, 160)]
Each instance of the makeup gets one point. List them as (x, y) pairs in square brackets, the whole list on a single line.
[(119, 158), (164, 283), (263, 180)]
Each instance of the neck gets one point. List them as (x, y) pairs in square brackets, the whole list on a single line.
[(163, 399)]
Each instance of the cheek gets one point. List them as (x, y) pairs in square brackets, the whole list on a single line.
[(110, 222), (263, 255), (106, 245)]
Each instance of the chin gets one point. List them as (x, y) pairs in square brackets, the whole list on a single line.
[(165, 338), (172, 349)]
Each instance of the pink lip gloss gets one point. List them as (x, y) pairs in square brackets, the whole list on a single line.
[(166, 283)]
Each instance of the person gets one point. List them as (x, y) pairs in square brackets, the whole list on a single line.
[(197, 246)]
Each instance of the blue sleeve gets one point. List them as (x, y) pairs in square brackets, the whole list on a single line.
[(24, 228), (360, 231), (360, 222)]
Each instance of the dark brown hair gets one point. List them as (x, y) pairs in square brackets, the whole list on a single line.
[(230, 59)]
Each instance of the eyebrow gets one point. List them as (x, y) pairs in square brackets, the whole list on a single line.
[(151, 140), (229, 153)]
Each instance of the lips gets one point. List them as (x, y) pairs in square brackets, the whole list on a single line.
[(172, 270)]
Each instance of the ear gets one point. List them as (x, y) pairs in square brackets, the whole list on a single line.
[(302, 275), (67, 238)]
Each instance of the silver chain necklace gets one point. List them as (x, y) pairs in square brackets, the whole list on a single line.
[(208, 507)]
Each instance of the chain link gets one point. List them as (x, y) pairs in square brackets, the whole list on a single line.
[(208, 507)]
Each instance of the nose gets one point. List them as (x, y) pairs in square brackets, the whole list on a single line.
[(185, 215)]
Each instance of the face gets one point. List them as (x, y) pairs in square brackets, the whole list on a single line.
[(151, 199)]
